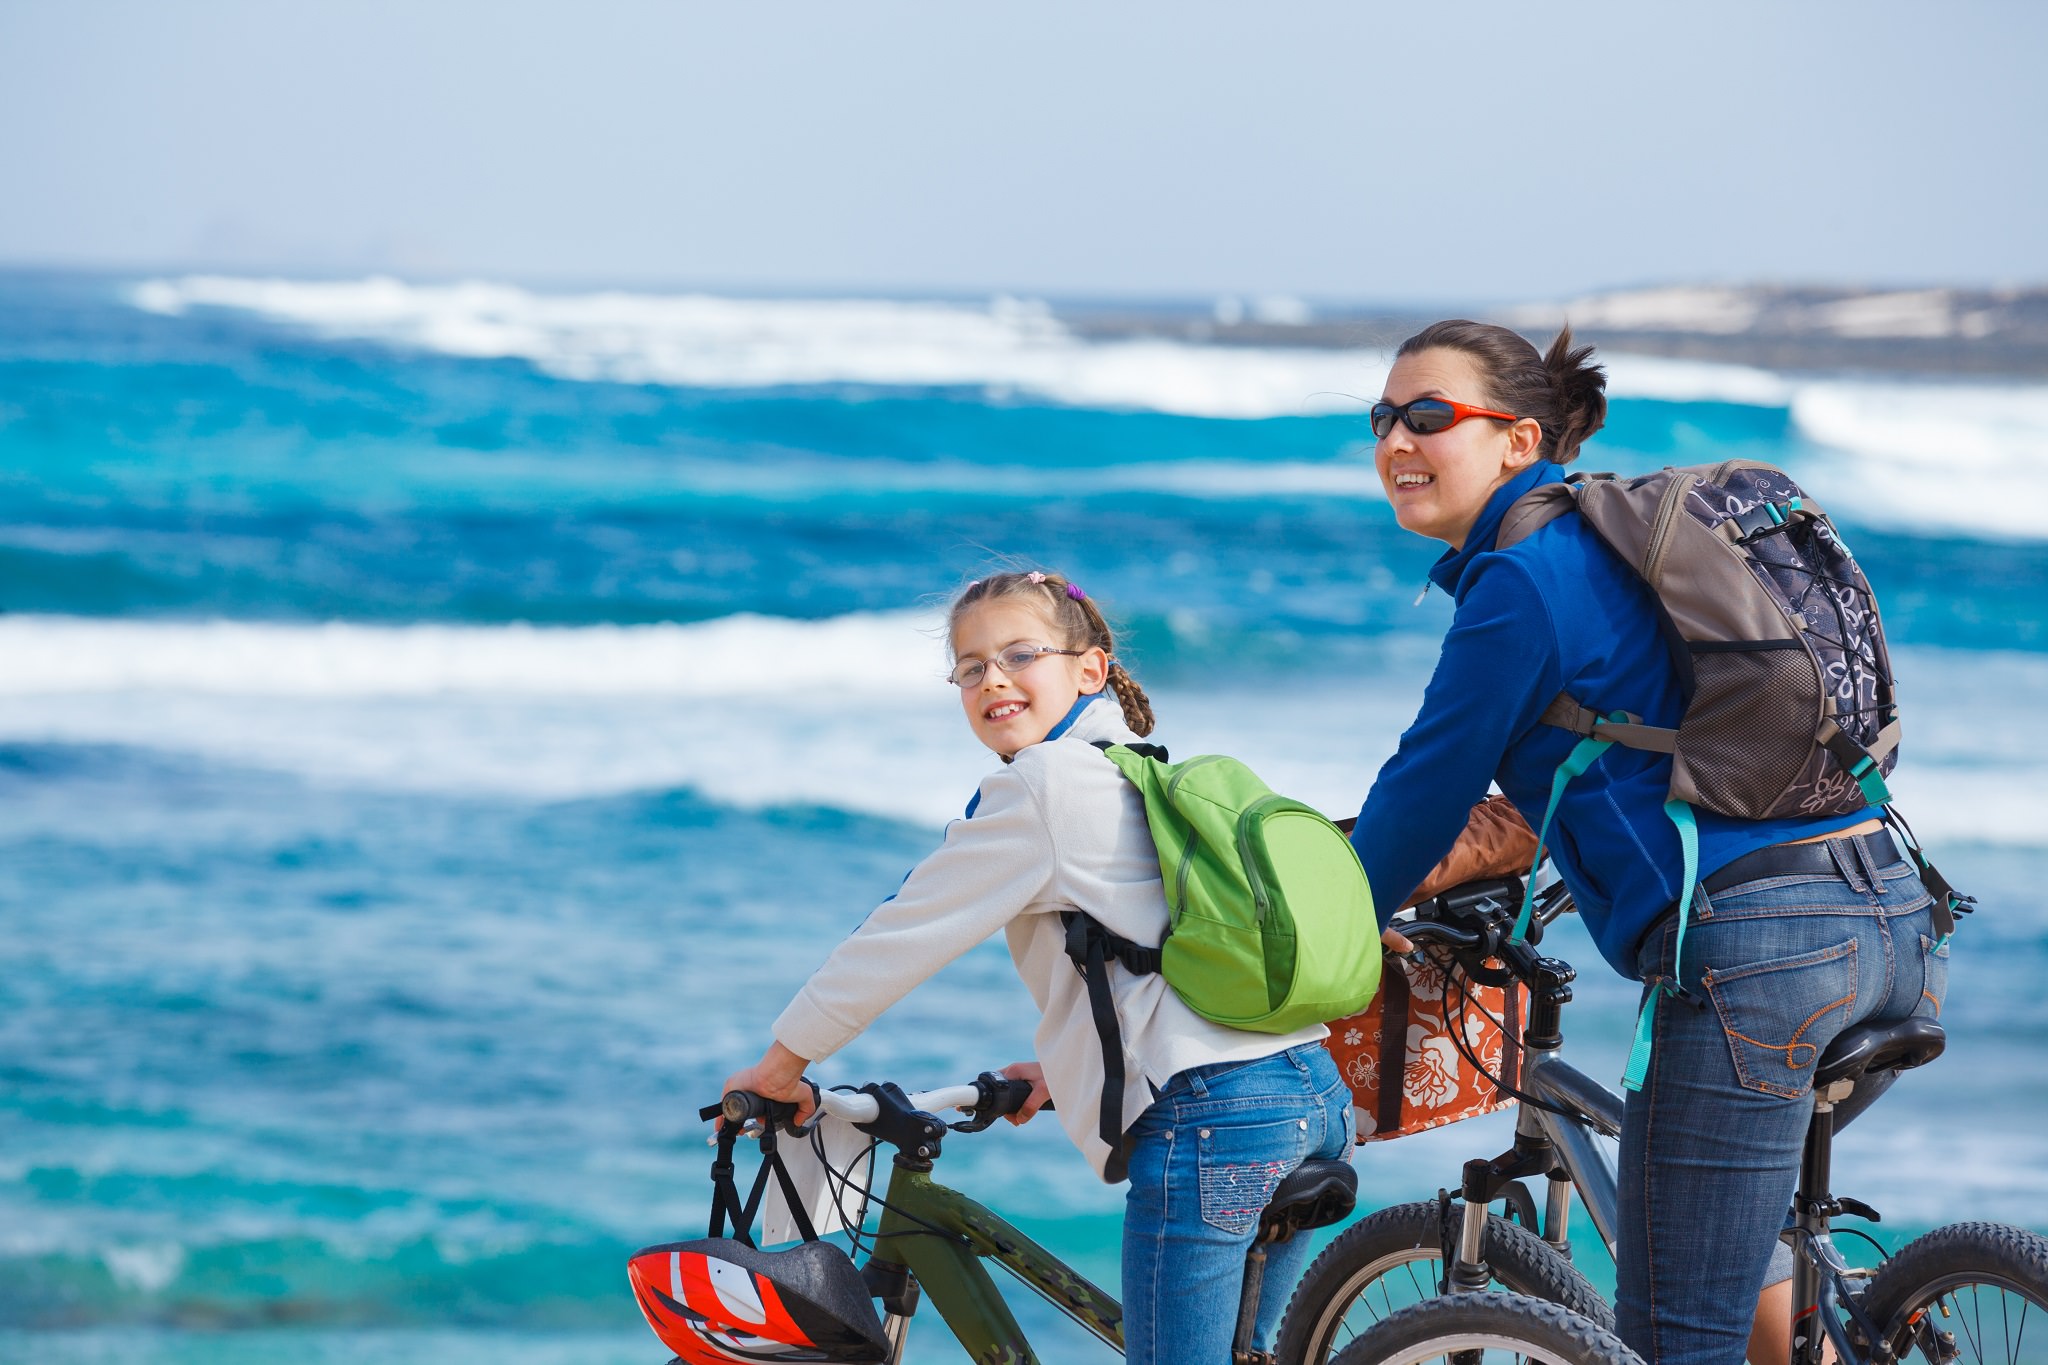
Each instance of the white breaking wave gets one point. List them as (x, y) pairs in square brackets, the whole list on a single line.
[(1970, 458), (732, 656), (1950, 457), (1009, 345), (702, 340), (850, 712)]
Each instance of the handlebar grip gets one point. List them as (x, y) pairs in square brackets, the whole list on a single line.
[(740, 1106), (1006, 1096)]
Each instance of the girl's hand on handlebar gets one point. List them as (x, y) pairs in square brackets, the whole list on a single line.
[(1393, 942), (1034, 1073), (779, 1075)]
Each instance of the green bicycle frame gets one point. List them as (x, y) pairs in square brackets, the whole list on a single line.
[(949, 1271)]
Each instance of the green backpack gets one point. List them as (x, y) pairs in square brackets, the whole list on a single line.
[(1270, 925)]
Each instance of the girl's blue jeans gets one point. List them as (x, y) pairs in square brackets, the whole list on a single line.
[(1204, 1161), (1774, 970)]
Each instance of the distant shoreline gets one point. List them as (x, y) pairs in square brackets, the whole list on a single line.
[(1988, 334)]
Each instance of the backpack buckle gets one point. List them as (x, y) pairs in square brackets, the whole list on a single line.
[(1760, 520)]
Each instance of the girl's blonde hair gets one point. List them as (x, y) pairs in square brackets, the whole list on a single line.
[(1073, 616)]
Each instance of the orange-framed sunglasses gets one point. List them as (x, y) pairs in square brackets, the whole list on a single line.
[(1427, 416)]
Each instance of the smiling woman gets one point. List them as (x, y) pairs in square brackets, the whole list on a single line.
[(1473, 420)]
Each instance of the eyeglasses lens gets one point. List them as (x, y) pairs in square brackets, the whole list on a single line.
[(969, 674), (1017, 660), (1429, 416)]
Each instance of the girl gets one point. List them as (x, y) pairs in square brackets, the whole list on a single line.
[(1223, 1115), (1815, 923)]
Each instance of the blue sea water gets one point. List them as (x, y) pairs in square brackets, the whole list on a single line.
[(439, 726)]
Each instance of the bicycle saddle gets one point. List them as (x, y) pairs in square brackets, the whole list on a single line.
[(1879, 1047), (1315, 1194)]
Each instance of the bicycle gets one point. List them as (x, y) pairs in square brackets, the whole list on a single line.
[(932, 1241), (1454, 1247)]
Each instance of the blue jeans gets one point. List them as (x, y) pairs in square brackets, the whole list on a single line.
[(1204, 1161), (1775, 970)]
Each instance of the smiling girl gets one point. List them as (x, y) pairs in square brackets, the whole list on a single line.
[(1223, 1115)]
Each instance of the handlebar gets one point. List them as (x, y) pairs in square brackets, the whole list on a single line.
[(1475, 922), (986, 1098)]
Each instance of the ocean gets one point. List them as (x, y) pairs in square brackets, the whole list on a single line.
[(441, 724)]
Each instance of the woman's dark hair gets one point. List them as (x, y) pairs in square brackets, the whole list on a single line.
[(1073, 616), (1560, 388)]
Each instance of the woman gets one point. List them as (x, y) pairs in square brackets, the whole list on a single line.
[(1814, 924)]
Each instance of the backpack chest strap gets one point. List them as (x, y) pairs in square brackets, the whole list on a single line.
[(1620, 727)]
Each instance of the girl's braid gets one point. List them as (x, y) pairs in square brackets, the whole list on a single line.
[(1075, 618)]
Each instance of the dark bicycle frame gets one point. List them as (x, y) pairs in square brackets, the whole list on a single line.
[(942, 1237)]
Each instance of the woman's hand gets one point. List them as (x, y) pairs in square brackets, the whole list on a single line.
[(779, 1075), (1034, 1073), (1395, 943)]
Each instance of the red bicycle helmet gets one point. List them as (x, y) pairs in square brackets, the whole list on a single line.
[(716, 1301)]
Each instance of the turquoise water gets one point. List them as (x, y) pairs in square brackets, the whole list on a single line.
[(429, 757)]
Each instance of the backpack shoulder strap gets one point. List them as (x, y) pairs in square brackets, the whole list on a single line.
[(1142, 750), (1091, 945), (1535, 510)]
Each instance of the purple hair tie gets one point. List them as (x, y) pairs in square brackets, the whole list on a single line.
[(1074, 591)]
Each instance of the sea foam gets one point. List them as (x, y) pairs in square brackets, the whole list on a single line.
[(1947, 457), (850, 713), (1007, 346)]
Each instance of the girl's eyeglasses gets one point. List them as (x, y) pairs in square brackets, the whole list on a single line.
[(1428, 416), (969, 672)]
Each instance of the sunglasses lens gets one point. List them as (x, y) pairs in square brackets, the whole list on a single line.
[(1430, 415), (1384, 416)]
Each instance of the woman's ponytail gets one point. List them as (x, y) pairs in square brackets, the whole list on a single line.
[(1581, 390)]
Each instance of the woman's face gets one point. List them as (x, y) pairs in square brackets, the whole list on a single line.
[(1439, 483)]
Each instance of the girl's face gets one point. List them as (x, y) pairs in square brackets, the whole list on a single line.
[(1012, 711), (1439, 483)]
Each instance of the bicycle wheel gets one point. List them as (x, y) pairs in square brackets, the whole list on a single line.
[(1393, 1259), (1970, 1292), (1480, 1329)]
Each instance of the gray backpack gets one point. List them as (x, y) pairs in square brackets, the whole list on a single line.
[(1790, 705)]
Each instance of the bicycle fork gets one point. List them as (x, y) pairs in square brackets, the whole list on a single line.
[(1534, 1153)]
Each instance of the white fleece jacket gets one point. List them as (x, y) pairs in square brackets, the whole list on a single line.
[(1056, 829)]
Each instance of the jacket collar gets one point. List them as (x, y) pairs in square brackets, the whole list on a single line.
[(1449, 571), (1088, 721)]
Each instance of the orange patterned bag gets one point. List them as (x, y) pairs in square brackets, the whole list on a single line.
[(1412, 1020)]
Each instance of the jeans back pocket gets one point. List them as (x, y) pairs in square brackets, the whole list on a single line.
[(1779, 1014), (1242, 1164)]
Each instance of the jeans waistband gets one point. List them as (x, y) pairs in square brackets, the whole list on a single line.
[(1197, 1078), (1822, 857)]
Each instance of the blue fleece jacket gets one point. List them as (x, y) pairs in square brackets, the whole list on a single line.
[(1558, 612)]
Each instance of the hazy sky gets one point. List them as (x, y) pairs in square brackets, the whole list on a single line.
[(1370, 151)]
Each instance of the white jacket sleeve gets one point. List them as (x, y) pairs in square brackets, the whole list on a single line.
[(989, 869)]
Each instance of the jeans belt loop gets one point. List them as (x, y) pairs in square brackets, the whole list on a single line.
[(1846, 855), (1869, 858)]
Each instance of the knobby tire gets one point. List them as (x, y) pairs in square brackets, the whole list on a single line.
[(1484, 1328), (1382, 1263), (1968, 1293)]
